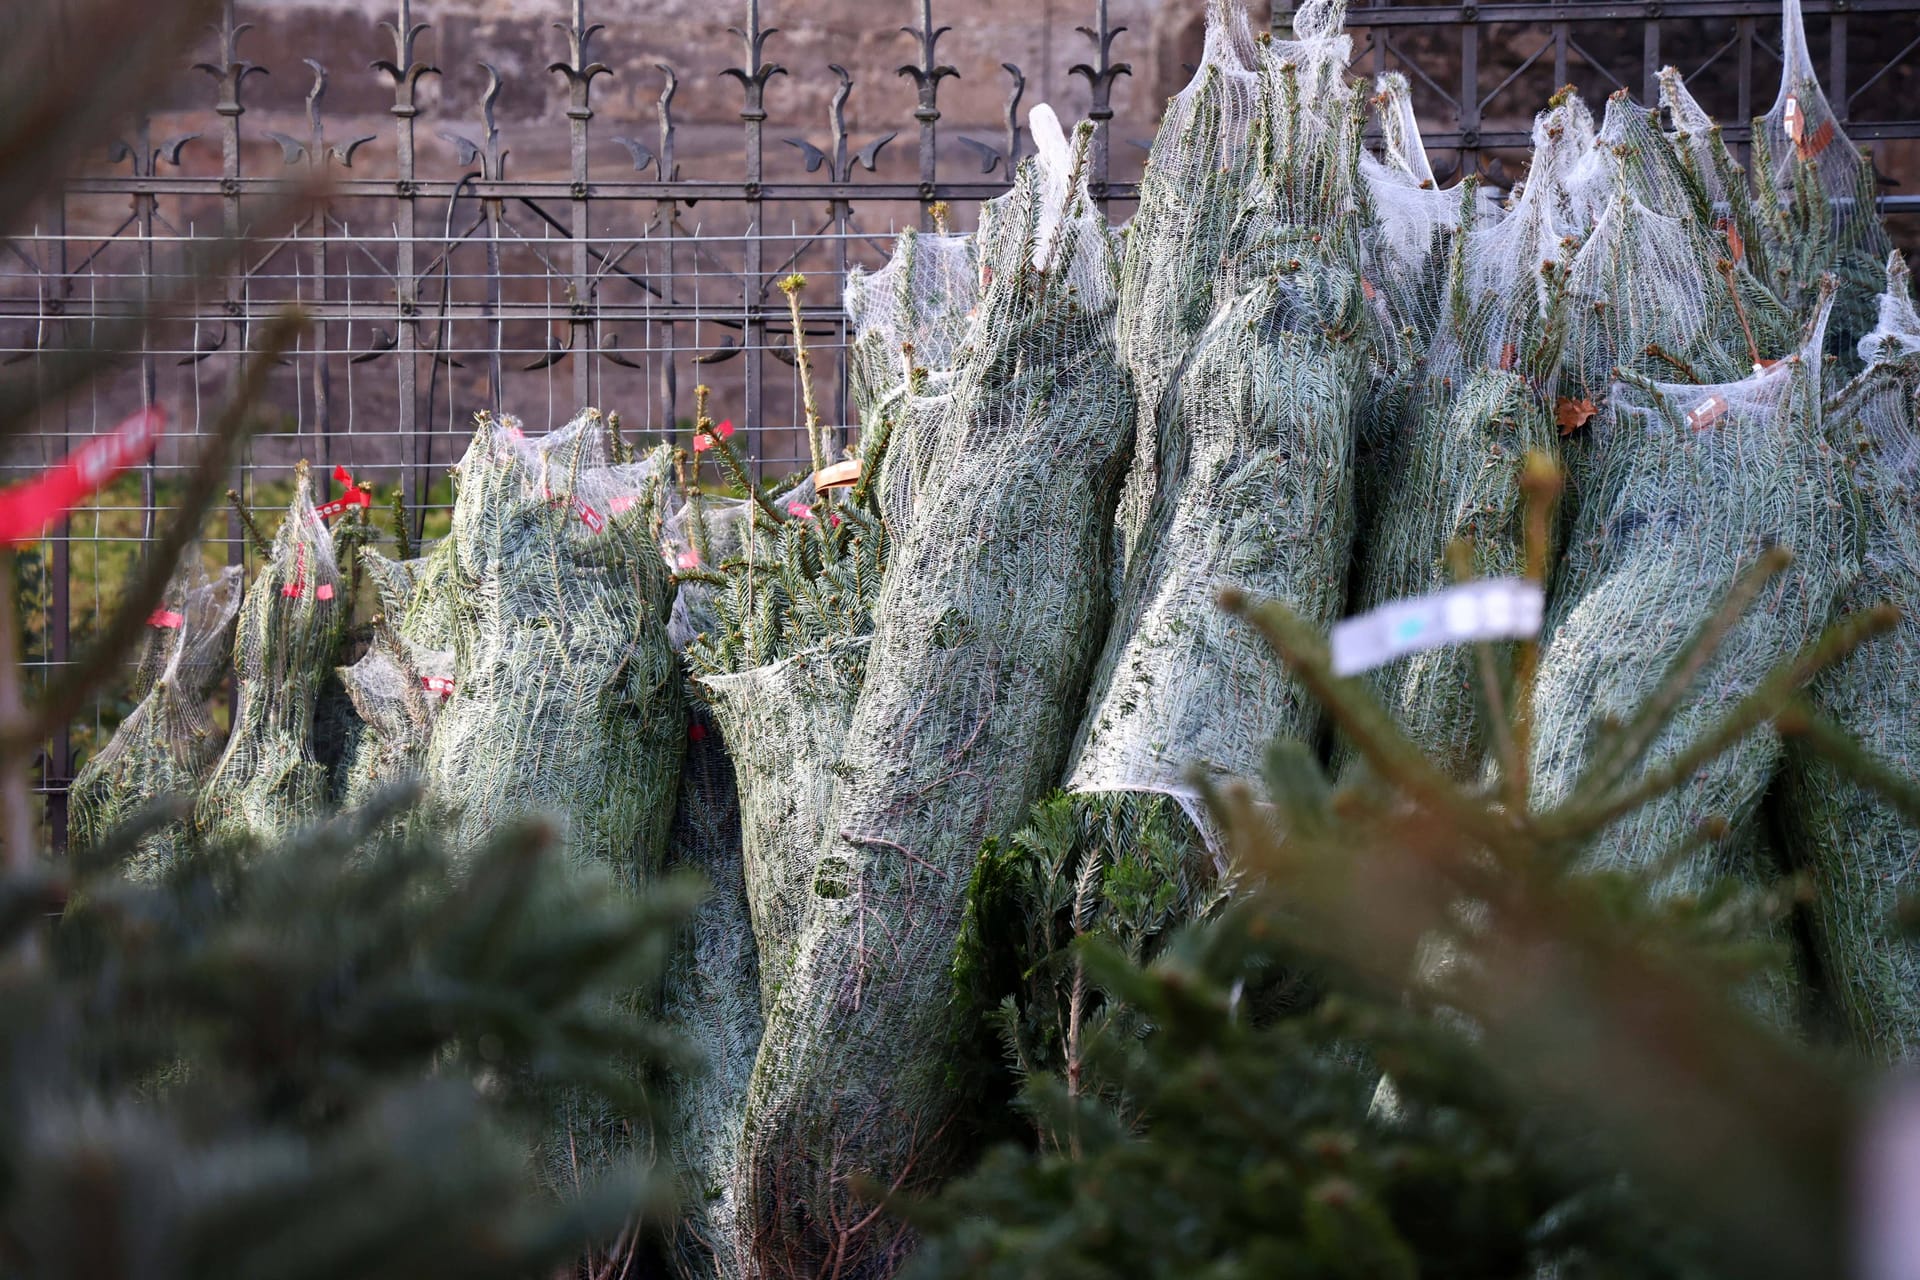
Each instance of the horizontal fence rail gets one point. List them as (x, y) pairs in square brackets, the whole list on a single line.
[(636, 255)]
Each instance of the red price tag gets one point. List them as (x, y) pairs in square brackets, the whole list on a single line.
[(165, 618)]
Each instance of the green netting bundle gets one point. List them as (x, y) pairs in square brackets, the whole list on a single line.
[(1699, 482), (168, 741), (1411, 225), (399, 684), (782, 582), (567, 698), (1653, 288), (712, 998), (270, 780), (1451, 480), (1483, 402), (1190, 191), (1255, 470), (984, 632), (1863, 854)]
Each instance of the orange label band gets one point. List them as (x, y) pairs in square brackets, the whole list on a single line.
[(837, 476), (1707, 412)]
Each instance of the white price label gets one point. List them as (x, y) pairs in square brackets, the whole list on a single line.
[(1496, 609)]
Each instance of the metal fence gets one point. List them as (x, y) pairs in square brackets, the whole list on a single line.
[(440, 285)]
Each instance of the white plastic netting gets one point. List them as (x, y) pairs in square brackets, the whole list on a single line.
[(1452, 471), (1814, 197), (1412, 224), (712, 998), (566, 697), (984, 632), (169, 740), (1254, 478), (910, 314), (1190, 191), (269, 781), (1861, 852)]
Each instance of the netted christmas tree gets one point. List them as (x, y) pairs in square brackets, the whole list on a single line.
[(910, 314), (1714, 495), (567, 697), (1861, 849), (1815, 199), (984, 632), (1190, 192), (1255, 465), (169, 740), (270, 779), (1406, 251), (1452, 473), (785, 581)]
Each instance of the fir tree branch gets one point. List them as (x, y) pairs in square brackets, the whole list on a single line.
[(70, 689), (1579, 818), (1358, 715), (1619, 749)]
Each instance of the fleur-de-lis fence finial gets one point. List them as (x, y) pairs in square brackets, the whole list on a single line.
[(142, 155), (405, 70), (579, 71), (754, 76), (230, 72), (838, 162), (1100, 76), (926, 77)]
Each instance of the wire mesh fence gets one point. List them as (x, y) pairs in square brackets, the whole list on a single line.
[(635, 252)]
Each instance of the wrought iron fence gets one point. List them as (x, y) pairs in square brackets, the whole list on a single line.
[(621, 272)]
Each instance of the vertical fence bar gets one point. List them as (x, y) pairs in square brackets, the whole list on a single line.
[(230, 74), (1650, 57), (669, 217), (753, 80), (406, 73), (926, 77), (1837, 65), (1100, 76), (58, 768), (1469, 94), (317, 159), (580, 305)]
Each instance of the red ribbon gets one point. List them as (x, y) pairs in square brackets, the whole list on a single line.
[(28, 508), (355, 496)]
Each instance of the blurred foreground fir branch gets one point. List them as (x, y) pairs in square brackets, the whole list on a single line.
[(1576, 1091)]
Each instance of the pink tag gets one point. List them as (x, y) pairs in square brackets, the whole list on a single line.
[(299, 582), (165, 618), (621, 503), (325, 592)]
